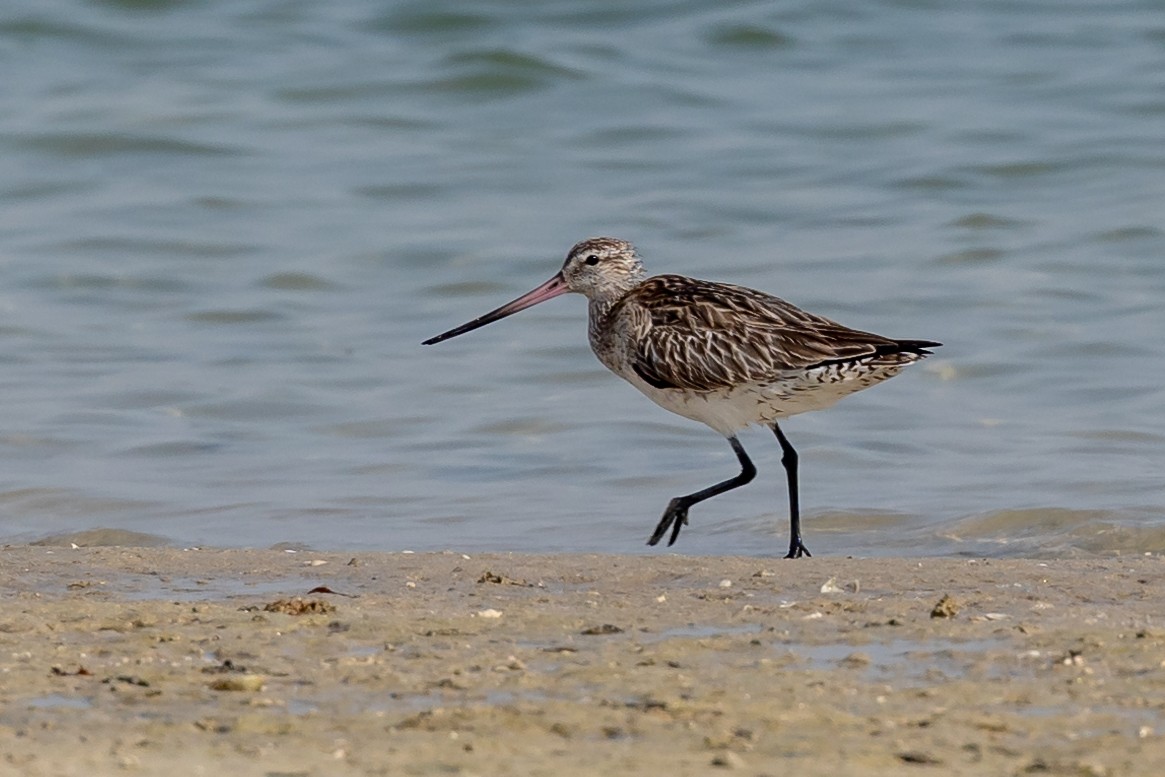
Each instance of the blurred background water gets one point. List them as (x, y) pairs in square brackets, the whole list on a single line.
[(226, 227)]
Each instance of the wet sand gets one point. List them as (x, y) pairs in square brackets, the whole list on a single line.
[(164, 661)]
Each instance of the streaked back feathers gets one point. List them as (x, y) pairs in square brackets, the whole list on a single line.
[(703, 336)]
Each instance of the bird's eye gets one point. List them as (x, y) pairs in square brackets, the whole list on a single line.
[(593, 259)]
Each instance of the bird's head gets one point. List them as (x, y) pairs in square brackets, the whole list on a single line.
[(602, 268)]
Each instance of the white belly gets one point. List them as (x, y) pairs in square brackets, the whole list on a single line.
[(732, 409)]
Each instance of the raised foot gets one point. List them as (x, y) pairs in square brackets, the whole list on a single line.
[(797, 549), (674, 517)]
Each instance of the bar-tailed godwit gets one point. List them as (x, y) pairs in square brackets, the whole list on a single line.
[(726, 356)]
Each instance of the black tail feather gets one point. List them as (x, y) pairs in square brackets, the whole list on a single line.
[(920, 347), (886, 349)]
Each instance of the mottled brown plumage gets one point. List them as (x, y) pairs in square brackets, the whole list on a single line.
[(724, 355), (702, 336)]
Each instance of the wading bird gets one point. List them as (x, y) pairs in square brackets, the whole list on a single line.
[(726, 356)]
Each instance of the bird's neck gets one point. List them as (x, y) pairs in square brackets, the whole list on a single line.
[(598, 309), (601, 301)]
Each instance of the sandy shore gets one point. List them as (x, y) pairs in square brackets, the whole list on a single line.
[(163, 661)]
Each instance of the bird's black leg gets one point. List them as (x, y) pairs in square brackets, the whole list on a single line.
[(676, 514), (797, 548)]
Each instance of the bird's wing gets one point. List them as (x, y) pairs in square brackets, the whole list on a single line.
[(703, 336)]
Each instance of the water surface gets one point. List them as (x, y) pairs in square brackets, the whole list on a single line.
[(227, 227)]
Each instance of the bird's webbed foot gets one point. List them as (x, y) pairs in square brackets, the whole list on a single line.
[(797, 549), (674, 517)]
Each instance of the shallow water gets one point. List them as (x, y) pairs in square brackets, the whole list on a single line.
[(227, 228)]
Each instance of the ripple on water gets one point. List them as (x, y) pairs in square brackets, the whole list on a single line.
[(82, 145), (748, 36), (96, 538), (421, 18), (984, 221), (971, 256), (149, 246), (1129, 234), (297, 281), (1046, 530), (228, 317), (498, 73)]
